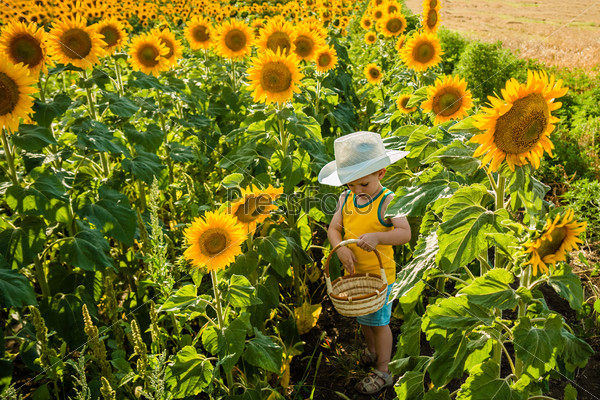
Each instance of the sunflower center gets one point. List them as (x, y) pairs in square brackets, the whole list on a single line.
[(200, 34), (392, 8), (433, 4), (279, 40), (423, 53), (367, 23), (9, 94), (447, 102), (147, 55), (276, 77), (26, 49), (520, 129), (252, 208), (169, 45), (548, 247), (235, 40), (304, 46), (111, 35), (432, 18), (76, 43), (374, 73), (404, 102), (324, 60), (394, 25), (213, 242), (378, 14)]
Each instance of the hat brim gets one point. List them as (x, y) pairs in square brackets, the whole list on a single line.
[(329, 173)]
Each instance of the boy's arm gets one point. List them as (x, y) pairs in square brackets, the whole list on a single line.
[(399, 235), (334, 234)]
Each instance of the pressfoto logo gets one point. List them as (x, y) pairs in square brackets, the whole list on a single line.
[(296, 203)]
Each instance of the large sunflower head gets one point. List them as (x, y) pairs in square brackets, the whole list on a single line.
[(22, 43), (147, 54), (392, 24), (113, 34), (15, 90), (370, 37), (277, 35), (517, 127), (199, 32), (173, 45), (448, 99), (254, 206), (234, 40), (274, 77), (325, 58), (373, 73), (559, 236), (422, 51), (72, 41), (214, 241), (307, 42), (401, 103)]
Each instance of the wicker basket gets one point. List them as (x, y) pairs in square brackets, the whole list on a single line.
[(357, 294)]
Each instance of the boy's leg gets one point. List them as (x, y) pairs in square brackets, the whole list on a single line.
[(369, 337), (383, 339)]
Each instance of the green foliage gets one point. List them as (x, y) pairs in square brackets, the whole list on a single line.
[(453, 44), (584, 198), (486, 67)]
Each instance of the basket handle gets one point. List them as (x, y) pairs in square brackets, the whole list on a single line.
[(346, 243)]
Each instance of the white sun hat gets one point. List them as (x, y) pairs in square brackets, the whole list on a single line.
[(356, 155)]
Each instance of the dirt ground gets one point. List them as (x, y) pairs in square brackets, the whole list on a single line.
[(557, 32)]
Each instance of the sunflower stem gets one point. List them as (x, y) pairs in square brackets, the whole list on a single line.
[(161, 116), (521, 312), (142, 190), (233, 79), (42, 87), (220, 318), (318, 93), (40, 273), (283, 139), (500, 187), (10, 160), (88, 93), (119, 79)]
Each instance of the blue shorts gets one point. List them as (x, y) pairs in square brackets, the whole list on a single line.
[(380, 317)]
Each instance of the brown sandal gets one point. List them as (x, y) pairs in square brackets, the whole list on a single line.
[(375, 382)]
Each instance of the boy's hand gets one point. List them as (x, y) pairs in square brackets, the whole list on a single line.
[(347, 258), (368, 241)]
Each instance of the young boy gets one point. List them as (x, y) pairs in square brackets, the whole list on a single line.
[(360, 161)]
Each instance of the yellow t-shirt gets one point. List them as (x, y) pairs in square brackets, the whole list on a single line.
[(365, 218)]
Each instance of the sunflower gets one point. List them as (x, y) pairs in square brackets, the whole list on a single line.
[(373, 73), (113, 33), (214, 240), (277, 34), (558, 237), (401, 103), (234, 40), (72, 41), (431, 4), (199, 32), (274, 77), (326, 58), (517, 128), (147, 54), (366, 22), (422, 51), (377, 13), (370, 37), (392, 6), (448, 99), (15, 89), (254, 206), (307, 42), (25, 44), (167, 38), (431, 19), (392, 24), (400, 41)]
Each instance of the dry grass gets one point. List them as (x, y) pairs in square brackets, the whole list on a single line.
[(556, 32)]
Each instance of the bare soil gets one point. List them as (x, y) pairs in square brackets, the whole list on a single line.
[(557, 32)]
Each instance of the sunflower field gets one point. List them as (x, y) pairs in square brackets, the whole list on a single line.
[(163, 233)]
